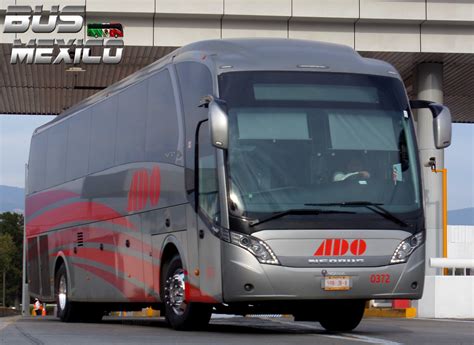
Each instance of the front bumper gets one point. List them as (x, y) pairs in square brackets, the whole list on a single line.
[(246, 280)]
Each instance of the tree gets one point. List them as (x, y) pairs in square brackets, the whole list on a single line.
[(7, 251), (11, 224)]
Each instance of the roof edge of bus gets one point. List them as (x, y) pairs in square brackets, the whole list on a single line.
[(96, 97), (246, 49)]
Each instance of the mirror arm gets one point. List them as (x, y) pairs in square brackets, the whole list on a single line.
[(204, 102), (433, 106), (419, 104)]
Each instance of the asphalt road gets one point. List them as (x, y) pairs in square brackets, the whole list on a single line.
[(275, 331)]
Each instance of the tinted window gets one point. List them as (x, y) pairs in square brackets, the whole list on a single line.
[(195, 82), (289, 152), (103, 129), (78, 145), (131, 124), (37, 164), (162, 132), (56, 156)]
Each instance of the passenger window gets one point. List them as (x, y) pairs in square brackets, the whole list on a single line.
[(102, 146), (56, 155), (37, 163), (162, 132), (78, 141), (208, 186), (131, 124)]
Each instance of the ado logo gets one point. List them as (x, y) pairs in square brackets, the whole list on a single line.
[(340, 247)]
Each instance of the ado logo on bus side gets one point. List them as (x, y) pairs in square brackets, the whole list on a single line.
[(144, 189), (70, 19)]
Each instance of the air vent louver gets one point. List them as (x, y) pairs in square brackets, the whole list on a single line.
[(80, 239)]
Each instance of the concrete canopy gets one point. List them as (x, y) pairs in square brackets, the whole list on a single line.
[(50, 89)]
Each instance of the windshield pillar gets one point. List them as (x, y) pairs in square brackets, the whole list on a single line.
[(222, 180)]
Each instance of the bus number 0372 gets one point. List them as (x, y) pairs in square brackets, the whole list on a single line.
[(380, 278)]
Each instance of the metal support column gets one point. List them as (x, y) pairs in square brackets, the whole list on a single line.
[(25, 296), (429, 84)]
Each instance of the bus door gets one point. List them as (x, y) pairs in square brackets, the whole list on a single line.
[(207, 215)]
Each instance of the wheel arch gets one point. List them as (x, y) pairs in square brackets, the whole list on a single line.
[(58, 261), (171, 246)]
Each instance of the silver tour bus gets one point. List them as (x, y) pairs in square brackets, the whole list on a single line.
[(233, 176)]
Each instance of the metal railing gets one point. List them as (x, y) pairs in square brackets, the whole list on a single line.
[(466, 265)]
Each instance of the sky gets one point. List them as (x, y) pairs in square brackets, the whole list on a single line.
[(16, 131)]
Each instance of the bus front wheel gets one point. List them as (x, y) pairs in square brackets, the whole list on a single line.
[(342, 315), (179, 313)]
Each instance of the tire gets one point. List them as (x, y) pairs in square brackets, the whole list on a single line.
[(68, 311), (179, 314), (343, 315)]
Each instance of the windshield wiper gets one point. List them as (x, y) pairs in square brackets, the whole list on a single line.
[(374, 207), (296, 211)]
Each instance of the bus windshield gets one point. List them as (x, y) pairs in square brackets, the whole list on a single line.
[(331, 141)]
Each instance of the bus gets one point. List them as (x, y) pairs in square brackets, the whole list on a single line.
[(239, 176), (105, 30)]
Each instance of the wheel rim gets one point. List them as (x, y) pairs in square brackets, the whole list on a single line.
[(62, 292), (175, 290)]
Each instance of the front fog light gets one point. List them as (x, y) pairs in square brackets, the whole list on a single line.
[(406, 247), (258, 248)]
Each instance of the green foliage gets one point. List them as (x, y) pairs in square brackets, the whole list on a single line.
[(7, 251), (11, 254)]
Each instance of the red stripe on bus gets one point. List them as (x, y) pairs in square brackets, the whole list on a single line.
[(94, 234), (131, 291), (194, 294), (38, 201), (75, 212), (126, 264)]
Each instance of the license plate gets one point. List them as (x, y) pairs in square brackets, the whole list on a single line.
[(336, 283)]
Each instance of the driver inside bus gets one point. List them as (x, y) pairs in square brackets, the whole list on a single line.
[(354, 170)]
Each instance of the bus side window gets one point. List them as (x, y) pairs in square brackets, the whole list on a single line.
[(208, 186)]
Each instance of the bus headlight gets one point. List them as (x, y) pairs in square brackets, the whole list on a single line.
[(406, 247), (258, 248)]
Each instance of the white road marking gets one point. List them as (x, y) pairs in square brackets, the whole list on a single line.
[(372, 340), (343, 336)]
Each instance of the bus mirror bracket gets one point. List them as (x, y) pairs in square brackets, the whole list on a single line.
[(441, 121), (218, 121)]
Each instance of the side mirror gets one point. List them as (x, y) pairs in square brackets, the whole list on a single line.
[(441, 121), (218, 121)]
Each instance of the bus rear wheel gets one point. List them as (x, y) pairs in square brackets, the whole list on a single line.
[(66, 310), (342, 315), (181, 315)]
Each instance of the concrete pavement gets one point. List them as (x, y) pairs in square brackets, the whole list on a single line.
[(275, 331)]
